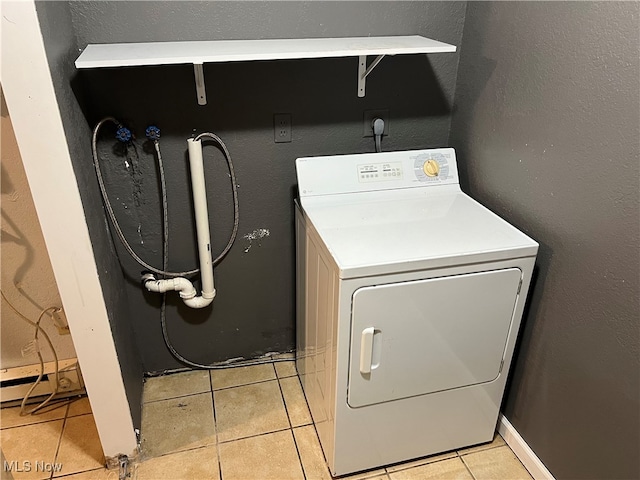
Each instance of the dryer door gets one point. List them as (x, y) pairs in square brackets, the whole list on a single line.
[(425, 336)]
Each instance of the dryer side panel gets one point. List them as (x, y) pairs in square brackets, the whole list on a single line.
[(301, 298), (317, 312), (421, 337)]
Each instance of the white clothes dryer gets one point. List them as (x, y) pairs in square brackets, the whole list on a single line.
[(409, 300)]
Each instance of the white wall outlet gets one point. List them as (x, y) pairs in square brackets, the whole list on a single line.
[(282, 127), (369, 116)]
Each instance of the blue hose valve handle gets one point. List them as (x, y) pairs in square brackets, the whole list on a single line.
[(123, 134), (153, 132)]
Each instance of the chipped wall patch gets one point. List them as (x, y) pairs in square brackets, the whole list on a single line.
[(258, 234)]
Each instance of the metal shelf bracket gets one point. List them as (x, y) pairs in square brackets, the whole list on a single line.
[(363, 71), (201, 91)]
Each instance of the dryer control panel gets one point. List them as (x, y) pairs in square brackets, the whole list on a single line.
[(380, 172), (376, 171), (432, 167)]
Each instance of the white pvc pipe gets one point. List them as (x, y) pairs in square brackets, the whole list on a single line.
[(202, 217), (179, 284)]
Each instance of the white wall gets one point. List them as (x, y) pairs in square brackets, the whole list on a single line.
[(27, 276)]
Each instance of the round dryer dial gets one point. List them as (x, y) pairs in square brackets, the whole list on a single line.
[(433, 167)]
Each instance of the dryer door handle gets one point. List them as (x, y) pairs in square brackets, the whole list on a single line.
[(366, 350)]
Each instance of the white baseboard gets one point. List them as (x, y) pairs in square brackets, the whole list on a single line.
[(21, 379), (527, 456)]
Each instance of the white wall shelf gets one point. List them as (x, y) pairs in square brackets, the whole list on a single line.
[(198, 53)]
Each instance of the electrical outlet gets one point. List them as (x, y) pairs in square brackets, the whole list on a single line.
[(282, 127), (369, 116), (60, 321)]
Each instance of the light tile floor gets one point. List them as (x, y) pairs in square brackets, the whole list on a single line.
[(233, 424), (63, 433)]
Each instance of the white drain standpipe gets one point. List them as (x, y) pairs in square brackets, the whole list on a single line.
[(180, 284)]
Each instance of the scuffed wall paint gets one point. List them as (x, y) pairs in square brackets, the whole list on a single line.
[(258, 234)]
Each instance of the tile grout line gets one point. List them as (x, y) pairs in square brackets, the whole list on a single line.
[(215, 424), (215, 427), (245, 384), (173, 398), (315, 430), (295, 443), (467, 467), (64, 423), (218, 441), (210, 381), (81, 471), (36, 423), (275, 376), (519, 461), (166, 454), (254, 436), (313, 424), (285, 406), (460, 453), (400, 466), (304, 395), (30, 424), (286, 376), (67, 475)]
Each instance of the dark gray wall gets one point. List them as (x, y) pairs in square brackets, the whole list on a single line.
[(61, 49), (254, 310), (546, 126)]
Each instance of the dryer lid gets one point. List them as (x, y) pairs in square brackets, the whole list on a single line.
[(378, 233), (400, 211)]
